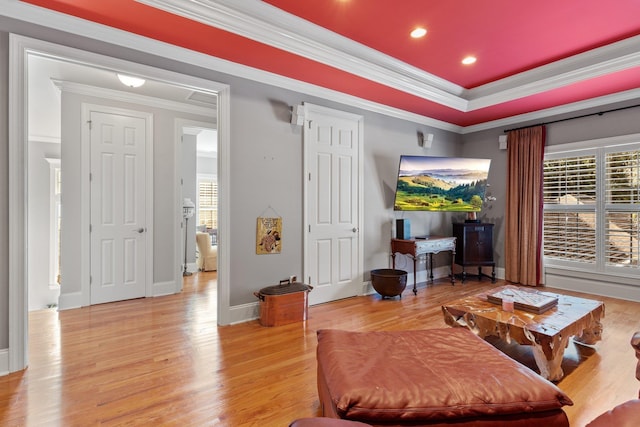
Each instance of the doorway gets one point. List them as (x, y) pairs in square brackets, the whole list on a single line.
[(22, 48), (200, 188)]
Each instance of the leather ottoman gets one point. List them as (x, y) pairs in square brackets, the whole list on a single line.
[(325, 422), (437, 377)]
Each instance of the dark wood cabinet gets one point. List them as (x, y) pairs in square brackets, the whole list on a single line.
[(474, 247)]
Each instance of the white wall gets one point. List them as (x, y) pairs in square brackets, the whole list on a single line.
[(4, 190), (207, 165), (41, 293), (189, 189)]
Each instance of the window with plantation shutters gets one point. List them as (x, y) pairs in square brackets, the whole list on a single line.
[(591, 208), (208, 202), (622, 231), (570, 204)]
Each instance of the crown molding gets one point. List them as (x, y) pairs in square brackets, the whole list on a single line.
[(49, 139), (608, 59), (541, 115), (121, 96)]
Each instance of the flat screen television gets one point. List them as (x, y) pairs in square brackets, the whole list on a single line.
[(441, 184)]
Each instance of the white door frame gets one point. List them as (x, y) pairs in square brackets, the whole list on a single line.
[(19, 48)]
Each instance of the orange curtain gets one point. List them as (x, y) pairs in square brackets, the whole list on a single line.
[(523, 216)]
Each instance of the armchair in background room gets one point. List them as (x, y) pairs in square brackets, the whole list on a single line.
[(207, 257)]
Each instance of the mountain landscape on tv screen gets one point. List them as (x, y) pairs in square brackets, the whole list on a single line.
[(442, 184)]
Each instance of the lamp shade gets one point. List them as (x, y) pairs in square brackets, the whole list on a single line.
[(188, 208)]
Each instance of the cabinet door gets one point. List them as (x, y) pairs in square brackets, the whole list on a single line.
[(479, 244)]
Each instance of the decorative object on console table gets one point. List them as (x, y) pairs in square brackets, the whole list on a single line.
[(417, 247), (403, 229), (474, 247)]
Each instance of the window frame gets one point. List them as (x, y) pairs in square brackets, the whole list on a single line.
[(600, 148), (209, 178)]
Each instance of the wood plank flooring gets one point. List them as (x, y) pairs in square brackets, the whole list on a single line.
[(164, 361)]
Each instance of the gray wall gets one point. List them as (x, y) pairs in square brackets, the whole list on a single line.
[(485, 145), (266, 171)]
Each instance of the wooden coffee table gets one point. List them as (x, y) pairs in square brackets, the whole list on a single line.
[(549, 332)]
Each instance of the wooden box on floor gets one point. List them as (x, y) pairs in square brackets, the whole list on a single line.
[(283, 304)]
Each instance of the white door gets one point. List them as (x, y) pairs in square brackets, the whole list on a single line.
[(118, 229), (333, 256)]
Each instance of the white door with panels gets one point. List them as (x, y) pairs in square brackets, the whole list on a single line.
[(118, 229), (333, 260)]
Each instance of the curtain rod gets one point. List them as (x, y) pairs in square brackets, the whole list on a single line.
[(572, 118)]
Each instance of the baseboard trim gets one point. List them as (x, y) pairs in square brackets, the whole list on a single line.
[(4, 361), (70, 300), (571, 281), (244, 313), (163, 288)]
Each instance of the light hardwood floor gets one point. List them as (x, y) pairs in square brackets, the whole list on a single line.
[(164, 361)]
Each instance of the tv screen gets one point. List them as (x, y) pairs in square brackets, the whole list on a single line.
[(441, 184)]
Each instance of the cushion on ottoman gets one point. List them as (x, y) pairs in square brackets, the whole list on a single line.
[(427, 375)]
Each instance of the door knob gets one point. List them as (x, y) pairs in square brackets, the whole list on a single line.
[(355, 229), (140, 230)]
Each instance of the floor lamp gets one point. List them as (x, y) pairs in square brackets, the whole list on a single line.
[(188, 208)]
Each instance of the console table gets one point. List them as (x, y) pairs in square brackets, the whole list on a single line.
[(416, 248)]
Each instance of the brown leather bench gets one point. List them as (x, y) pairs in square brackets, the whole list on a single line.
[(626, 414), (437, 377)]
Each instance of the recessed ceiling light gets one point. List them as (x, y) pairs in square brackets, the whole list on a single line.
[(130, 80), (418, 32), (469, 60)]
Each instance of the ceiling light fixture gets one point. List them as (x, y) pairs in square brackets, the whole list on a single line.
[(130, 80), (469, 60), (418, 32)]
